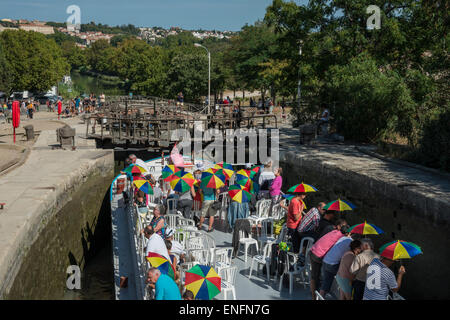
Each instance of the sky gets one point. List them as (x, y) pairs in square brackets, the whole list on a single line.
[(188, 14)]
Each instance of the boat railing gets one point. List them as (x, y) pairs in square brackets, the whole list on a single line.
[(139, 241)]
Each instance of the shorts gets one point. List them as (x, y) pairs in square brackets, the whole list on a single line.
[(207, 210), (344, 284), (316, 266)]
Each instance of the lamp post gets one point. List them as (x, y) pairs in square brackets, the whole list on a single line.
[(209, 74), (299, 75)]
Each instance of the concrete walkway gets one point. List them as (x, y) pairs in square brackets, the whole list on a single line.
[(33, 191)]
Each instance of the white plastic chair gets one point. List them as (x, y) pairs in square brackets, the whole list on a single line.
[(318, 296), (172, 220), (194, 243), (247, 242), (228, 280), (172, 206), (262, 211), (263, 259), (201, 256), (225, 204), (266, 237), (296, 268), (222, 258), (186, 224)]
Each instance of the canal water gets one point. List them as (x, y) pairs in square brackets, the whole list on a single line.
[(89, 84)]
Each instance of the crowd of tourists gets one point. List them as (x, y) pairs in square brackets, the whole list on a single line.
[(336, 254)]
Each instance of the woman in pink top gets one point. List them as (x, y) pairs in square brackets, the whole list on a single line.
[(275, 189)]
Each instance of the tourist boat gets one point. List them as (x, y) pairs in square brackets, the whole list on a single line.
[(129, 258)]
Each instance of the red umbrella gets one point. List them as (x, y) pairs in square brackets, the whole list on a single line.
[(15, 117), (59, 108)]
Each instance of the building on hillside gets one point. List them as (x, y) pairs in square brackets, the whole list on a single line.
[(37, 28), (6, 28)]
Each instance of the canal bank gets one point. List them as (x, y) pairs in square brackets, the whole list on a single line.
[(407, 203), (56, 215)]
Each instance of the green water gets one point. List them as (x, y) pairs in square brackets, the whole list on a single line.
[(88, 84)]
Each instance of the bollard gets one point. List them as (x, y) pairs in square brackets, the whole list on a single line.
[(29, 131)]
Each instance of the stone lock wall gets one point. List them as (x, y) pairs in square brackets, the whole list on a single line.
[(401, 213), (66, 234)]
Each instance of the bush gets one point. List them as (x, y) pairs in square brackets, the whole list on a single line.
[(435, 142), (371, 104)]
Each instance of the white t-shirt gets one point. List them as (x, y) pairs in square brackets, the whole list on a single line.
[(177, 248), (157, 245)]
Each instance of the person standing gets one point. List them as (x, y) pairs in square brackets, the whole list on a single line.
[(380, 279), (265, 180), (359, 267), (319, 250), (344, 278), (294, 216), (30, 109), (275, 188), (331, 261), (209, 198), (185, 202)]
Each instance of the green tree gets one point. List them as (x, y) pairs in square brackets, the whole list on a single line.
[(6, 80), (74, 55), (254, 46), (36, 62), (370, 104), (144, 66), (188, 73)]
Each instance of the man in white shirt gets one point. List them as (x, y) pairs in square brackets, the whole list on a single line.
[(155, 243)]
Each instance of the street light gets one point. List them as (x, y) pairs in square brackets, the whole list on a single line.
[(209, 74), (300, 43)]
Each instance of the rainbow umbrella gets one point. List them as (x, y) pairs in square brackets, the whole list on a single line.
[(168, 172), (339, 205), (133, 169), (254, 170), (182, 183), (365, 228), (239, 194), (164, 265), (211, 180), (302, 187), (143, 185), (243, 178), (400, 249), (226, 169), (203, 281)]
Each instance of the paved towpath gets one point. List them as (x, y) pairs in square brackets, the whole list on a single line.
[(32, 189)]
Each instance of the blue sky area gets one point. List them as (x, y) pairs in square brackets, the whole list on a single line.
[(188, 14)]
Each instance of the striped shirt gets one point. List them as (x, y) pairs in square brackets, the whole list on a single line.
[(380, 279), (310, 221)]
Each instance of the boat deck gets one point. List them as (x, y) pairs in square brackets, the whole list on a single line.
[(256, 288)]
